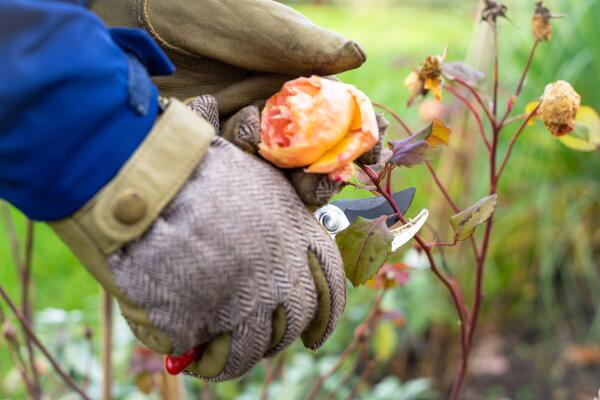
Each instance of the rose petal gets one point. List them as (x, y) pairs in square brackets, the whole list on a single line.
[(363, 135), (304, 120), (342, 174)]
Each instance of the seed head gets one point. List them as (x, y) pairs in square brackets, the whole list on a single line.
[(492, 10), (540, 24)]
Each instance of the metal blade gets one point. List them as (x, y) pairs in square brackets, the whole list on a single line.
[(404, 233), (375, 207)]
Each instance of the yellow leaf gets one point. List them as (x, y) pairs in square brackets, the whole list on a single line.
[(435, 86), (440, 134), (529, 109), (384, 341), (144, 382), (586, 136)]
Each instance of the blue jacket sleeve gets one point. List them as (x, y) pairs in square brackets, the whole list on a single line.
[(76, 101)]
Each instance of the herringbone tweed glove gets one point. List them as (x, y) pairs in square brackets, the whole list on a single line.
[(235, 262)]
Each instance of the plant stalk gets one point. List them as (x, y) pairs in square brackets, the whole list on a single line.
[(107, 343), (29, 331), (26, 306)]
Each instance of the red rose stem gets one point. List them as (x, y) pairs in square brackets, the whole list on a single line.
[(176, 364)]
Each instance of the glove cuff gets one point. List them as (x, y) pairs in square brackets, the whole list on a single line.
[(128, 205)]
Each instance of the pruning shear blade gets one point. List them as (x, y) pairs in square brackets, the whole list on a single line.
[(404, 233), (339, 215)]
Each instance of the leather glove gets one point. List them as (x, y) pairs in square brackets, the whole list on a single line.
[(241, 52), (204, 244), (238, 51)]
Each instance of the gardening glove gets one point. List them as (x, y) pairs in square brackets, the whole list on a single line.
[(238, 51), (205, 245), (315, 190)]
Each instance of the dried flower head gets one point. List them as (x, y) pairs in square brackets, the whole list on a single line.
[(320, 124), (492, 10), (558, 108), (428, 78), (540, 24)]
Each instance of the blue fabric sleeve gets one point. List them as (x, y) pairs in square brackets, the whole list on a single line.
[(75, 102)]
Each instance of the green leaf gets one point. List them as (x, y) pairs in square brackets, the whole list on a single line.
[(384, 341), (365, 246), (465, 222)]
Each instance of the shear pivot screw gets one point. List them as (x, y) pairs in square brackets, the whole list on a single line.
[(330, 223)]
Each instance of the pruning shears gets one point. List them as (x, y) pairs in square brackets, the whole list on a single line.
[(336, 217), (339, 215)]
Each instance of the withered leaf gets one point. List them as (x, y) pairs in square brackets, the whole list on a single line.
[(418, 147), (465, 222), (464, 72)]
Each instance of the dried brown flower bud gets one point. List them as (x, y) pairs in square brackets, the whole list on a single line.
[(432, 67), (9, 332), (540, 24), (492, 10), (559, 108)]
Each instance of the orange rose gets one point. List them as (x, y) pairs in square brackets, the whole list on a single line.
[(320, 124)]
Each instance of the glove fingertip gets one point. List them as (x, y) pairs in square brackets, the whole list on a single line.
[(213, 360), (279, 326), (317, 331), (315, 190), (205, 106), (243, 129)]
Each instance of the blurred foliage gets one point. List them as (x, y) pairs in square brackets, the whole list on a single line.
[(543, 277), (550, 226)]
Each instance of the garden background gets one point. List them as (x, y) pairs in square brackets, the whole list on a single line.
[(539, 336)]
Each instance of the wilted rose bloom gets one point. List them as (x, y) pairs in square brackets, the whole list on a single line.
[(320, 124), (558, 108)]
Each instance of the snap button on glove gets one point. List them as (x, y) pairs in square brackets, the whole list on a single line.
[(238, 51), (234, 262)]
